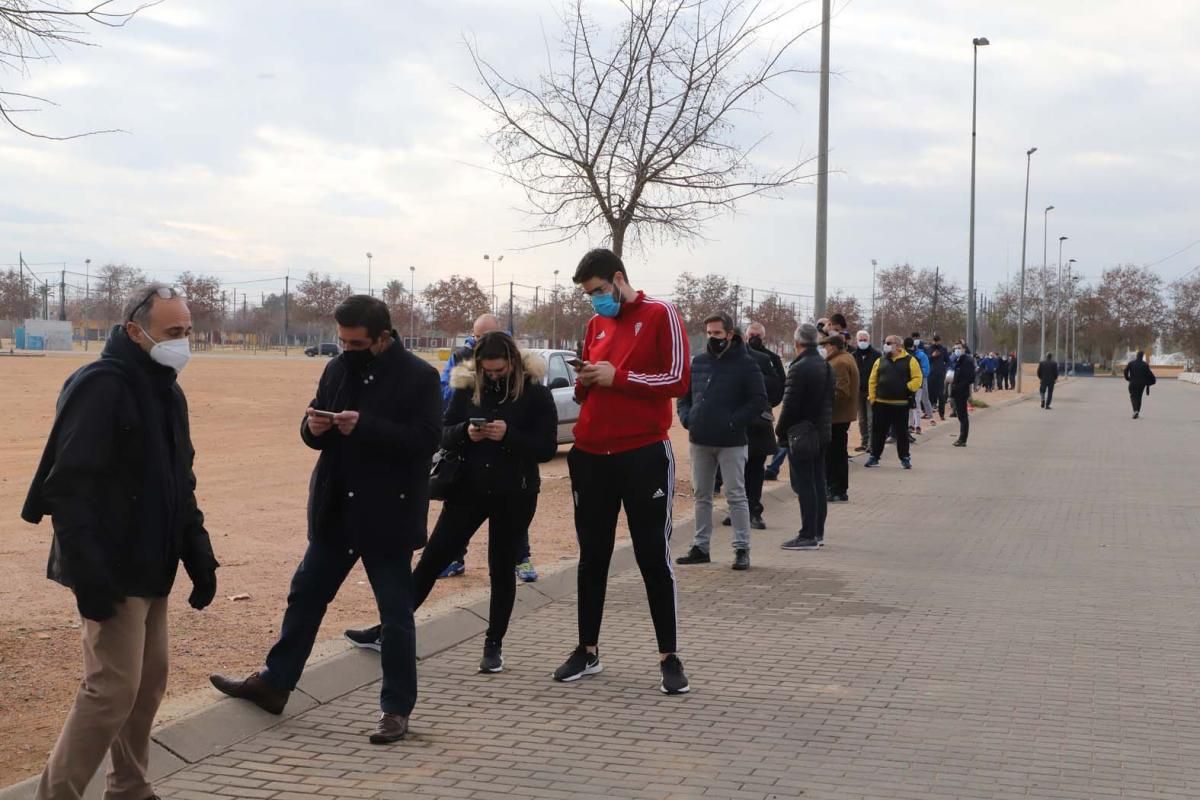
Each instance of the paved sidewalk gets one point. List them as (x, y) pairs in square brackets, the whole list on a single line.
[(1016, 619)]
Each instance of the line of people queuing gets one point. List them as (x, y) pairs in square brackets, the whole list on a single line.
[(116, 479)]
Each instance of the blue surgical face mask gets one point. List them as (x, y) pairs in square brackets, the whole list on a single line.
[(606, 305)]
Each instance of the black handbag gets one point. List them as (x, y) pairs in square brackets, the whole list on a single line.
[(804, 442), (445, 474)]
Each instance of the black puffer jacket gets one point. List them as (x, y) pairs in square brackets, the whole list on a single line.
[(116, 478), (509, 466), (866, 360), (808, 395), (726, 395), (369, 491)]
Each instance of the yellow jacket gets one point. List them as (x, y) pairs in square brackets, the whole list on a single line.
[(914, 380)]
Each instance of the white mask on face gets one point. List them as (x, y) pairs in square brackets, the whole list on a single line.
[(958, 351), (916, 342), (173, 353), (863, 345), (823, 351), (887, 348)]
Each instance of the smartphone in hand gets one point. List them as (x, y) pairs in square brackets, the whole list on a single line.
[(478, 422), (576, 364), (329, 415)]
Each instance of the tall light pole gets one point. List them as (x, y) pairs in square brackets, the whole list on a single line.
[(874, 264), (977, 43), (494, 261), (1045, 281), (87, 298), (822, 168), (1021, 300), (412, 306), (1071, 316), (1058, 298), (554, 324), (368, 273)]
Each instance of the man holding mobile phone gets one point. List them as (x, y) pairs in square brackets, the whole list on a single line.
[(635, 356), (368, 499)]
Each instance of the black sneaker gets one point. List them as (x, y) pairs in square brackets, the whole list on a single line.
[(367, 638), (800, 543), (727, 522), (960, 443), (906, 463), (493, 660), (756, 522), (840, 498), (694, 556), (741, 560), (579, 664), (674, 681)]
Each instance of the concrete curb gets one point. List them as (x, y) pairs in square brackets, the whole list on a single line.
[(211, 730)]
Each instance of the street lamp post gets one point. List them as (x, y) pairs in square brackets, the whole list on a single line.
[(1045, 281), (369, 273), (412, 306), (494, 261), (1021, 300), (554, 323), (874, 264), (822, 167), (1058, 298), (976, 44), (87, 298), (1070, 317)]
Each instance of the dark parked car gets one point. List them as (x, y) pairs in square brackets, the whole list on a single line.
[(325, 349)]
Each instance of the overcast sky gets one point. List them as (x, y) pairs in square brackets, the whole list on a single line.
[(274, 136)]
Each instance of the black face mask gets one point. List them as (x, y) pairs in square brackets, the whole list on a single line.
[(717, 346), (756, 343), (358, 360)]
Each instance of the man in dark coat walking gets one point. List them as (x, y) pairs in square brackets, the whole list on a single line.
[(1047, 373), (762, 431), (368, 499), (808, 399), (116, 479), (1140, 378)]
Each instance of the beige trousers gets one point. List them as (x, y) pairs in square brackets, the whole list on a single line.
[(125, 677)]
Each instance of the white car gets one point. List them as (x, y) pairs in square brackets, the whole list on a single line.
[(560, 379)]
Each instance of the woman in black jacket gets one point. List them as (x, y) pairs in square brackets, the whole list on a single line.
[(502, 422)]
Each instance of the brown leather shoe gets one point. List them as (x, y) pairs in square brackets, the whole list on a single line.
[(390, 728), (254, 689)]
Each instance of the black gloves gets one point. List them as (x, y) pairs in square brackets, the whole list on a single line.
[(204, 589), (95, 604)]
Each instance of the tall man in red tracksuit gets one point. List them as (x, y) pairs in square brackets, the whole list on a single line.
[(636, 361)]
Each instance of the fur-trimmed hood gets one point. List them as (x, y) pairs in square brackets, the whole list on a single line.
[(463, 375)]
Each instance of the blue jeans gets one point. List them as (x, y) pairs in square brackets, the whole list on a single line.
[(315, 584), (777, 462)]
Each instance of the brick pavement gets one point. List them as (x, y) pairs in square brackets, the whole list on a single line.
[(1017, 619)]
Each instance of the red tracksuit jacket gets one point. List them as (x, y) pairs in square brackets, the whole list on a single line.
[(648, 345)]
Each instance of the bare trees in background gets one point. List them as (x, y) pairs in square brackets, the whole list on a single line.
[(632, 132), (31, 31)]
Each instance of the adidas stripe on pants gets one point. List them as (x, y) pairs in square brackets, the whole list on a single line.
[(643, 482)]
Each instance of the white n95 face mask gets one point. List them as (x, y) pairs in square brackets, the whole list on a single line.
[(887, 348), (173, 353)]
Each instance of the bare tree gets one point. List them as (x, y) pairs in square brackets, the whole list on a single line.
[(635, 134), (31, 30)]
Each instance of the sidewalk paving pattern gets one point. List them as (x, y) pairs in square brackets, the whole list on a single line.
[(1016, 619)]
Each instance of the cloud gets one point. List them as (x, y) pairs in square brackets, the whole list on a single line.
[(264, 141)]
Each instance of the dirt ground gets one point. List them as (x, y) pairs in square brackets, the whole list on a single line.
[(253, 474)]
